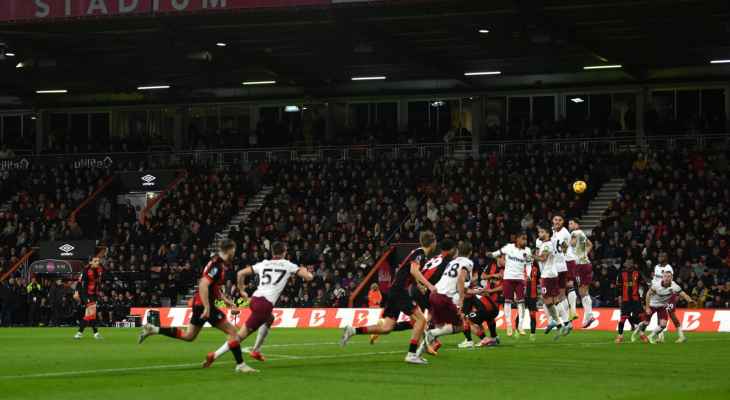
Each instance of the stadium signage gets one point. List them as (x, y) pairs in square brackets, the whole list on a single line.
[(14, 10), (93, 163), (14, 165), (147, 181), (693, 320), (68, 250)]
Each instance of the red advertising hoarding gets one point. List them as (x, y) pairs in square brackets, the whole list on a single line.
[(40, 10), (693, 320)]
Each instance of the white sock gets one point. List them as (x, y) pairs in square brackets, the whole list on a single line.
[(447, 329), (547, 313), (657, 330), (680, 332), (587, 307), (572, 299), (260, 336), (155, 329), (553, 311), (521, 313), (508, 314), (563, 310), (222, 350)]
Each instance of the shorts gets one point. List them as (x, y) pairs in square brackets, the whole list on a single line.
[(420, 298), (398, 301), (261, 313), (513, 289), (88, 300), (551, 287), (572, 270), (531, 303), (443, 310), (631, 307), (661, 313), (584, 275), (215, 317), (562, 279), (482, 310)]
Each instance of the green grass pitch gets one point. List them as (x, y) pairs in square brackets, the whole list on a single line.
[(309, 364)]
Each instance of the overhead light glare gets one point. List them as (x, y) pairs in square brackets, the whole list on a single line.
[(368, 78), (291, 109), (154, 87), (607, 66), (484, 31), (9, 54), (252, 83), (577, 100), (221, 44), (52, 91), (19, 65), (720, 61), (478, 73)]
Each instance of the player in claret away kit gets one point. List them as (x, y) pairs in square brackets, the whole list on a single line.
[(273, 276), (204, 310)]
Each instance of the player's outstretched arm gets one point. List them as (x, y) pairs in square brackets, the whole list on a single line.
[(241, 280), (416, 273), (304, 273), (203, 288), (686, 297)]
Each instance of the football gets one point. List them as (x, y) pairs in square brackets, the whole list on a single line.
[(579, 186)]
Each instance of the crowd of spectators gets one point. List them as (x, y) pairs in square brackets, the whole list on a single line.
[(338, 218), (674, 202)]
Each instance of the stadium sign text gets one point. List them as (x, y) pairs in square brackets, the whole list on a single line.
[(13, 10), (93, 163), (13, 165)]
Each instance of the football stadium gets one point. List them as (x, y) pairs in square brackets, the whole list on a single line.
[(364, 199)]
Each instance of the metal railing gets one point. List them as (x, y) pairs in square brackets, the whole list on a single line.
[(462, 149)]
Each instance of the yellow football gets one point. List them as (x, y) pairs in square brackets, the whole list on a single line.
[(579, 186)]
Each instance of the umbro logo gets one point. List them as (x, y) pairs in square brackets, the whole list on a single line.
[(148, 180), (66, 250)]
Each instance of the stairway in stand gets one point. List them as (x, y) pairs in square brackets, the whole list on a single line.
[(253, 205), (600, 203)]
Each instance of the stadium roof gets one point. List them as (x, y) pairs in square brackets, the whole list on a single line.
[(419, 46)]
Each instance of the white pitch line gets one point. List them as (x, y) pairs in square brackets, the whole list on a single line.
[(285, 357)]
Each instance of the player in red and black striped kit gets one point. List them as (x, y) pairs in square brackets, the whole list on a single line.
[(531, 294), (87, 291), (399, 299), (628, 283), (204, 310)]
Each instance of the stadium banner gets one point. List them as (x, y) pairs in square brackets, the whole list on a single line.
[(147, 181), (40, 10), (693, 320), (68, 250)]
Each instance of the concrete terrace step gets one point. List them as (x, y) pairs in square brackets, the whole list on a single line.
[(253, 205)]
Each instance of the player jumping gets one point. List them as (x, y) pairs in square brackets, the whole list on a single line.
[(87, 290), (517, 258), (580, 247), (399, 299), (204, 309), (273, 276), (560, 239), (547, 255)]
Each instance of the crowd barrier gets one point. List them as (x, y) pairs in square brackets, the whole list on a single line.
[(693, 320)]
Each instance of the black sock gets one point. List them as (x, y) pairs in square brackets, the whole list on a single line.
[(402, 326), (621, 323), (481, 334), (171, 332), (533, 321), (361, 331), (492, 328), (236, 351), (467, 334), (93, 325), (517, 322), (82, 325), (413, 346)]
